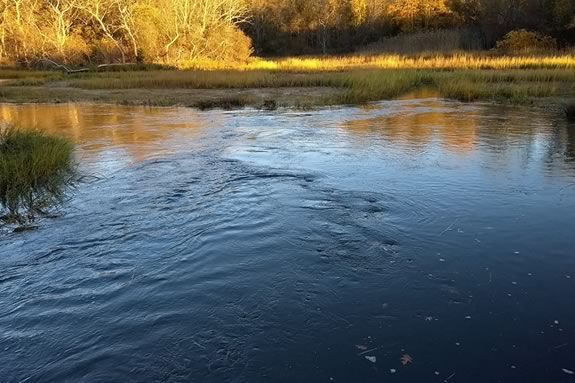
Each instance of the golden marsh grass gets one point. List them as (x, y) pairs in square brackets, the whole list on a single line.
[(347, 80)]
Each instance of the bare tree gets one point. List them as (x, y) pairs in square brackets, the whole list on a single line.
[(101, 12)]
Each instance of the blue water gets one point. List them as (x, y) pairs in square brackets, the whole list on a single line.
[(288, 246)]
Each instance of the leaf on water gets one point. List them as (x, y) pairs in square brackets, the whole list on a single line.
[(569, 372), (406, 359), (372, 359)]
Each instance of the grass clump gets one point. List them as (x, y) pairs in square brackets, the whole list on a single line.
[(269, 104), (226, 103), (366, 86), (35, 171)]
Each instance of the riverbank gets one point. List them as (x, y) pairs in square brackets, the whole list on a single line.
[(305, 82)]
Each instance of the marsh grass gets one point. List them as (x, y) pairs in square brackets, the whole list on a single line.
[(366, 86), (431, 60), (514, 86), (196, 80), (240, 89), (35, 172), (359, 85), (347, 80), (15, 74), (456, 61), (32, 81)]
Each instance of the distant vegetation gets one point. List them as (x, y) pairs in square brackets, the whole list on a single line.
[(35, 171), (336, 26), (523, 41), (308, 82), (207, 33)]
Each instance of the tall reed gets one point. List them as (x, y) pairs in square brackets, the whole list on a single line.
[(35, 172)]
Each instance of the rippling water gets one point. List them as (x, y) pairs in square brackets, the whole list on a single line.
[(288, 246)]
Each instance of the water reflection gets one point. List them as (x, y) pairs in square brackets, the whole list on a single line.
[(111, 132), (419, 124), (134, 134), (493, 131)]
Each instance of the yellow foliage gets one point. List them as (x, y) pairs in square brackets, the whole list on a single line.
[(413, 13), (523, 41), (358, 11), (82, 31)]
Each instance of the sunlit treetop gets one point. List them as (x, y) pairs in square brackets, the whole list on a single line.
[(83, 32)]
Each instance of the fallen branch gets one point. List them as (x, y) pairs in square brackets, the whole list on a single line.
[(72, 71), (60, 66), (101, 66)]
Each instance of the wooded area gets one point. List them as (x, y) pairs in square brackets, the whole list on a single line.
[(177, 32)]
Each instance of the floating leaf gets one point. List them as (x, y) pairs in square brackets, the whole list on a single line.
[(372, 359), (406, 359)]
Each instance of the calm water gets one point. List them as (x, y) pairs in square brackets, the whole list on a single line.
[(299, 247)]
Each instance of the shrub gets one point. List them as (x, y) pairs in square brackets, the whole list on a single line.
[(35, 171), (523, 41)]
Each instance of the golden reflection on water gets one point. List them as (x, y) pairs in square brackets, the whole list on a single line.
[(120, 134), (462, 128), (419, 125), (139, 131)]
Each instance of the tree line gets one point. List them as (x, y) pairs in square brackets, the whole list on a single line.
[(328, 26), (84, 32)]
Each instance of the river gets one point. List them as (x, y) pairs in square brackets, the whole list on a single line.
[(299, 246)]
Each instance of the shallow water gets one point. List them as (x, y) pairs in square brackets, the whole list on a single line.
[(289, 246)]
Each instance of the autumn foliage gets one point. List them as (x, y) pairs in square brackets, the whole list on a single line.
[(192, 32), (95, 31)]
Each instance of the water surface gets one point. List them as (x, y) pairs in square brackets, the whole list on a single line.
[(288, 246)]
